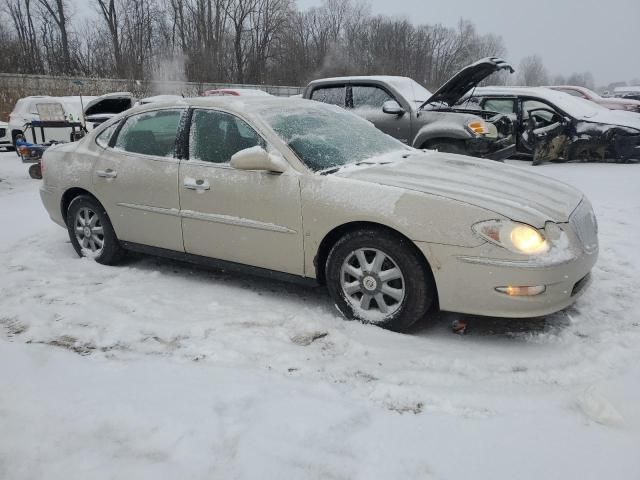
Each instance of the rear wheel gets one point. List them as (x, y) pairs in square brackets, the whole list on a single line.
[(91, 232), (378, 277), (35, 171)]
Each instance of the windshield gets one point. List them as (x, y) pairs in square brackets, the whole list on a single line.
[(592, 94), (324, 136), (411, 90)]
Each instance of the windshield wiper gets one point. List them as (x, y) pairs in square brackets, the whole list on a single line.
[(329, 171)]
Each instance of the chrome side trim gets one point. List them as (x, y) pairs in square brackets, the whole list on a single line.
[(237, 221), (495, 262), (211, 217), (146, 208)]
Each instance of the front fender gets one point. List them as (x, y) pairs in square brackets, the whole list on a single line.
[(330, 202), (450, 130)]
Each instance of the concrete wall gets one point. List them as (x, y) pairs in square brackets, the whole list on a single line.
[(15, 86)]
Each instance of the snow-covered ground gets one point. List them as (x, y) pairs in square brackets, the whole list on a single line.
[(156, 369)]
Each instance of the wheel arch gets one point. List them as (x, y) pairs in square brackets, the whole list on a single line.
[(330, 239), (433, 141), (70, 194), (449, 132)]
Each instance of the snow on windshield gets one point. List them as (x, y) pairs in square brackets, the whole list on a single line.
[(324, 136)]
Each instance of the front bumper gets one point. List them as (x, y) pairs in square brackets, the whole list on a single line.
[(467, 278), (491, 149)]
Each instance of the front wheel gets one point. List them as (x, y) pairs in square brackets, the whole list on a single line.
[(448, 146), (378, 277), (91, 232)]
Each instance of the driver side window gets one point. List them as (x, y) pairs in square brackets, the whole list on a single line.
[(369, 97), (528, 105), (216, 136)]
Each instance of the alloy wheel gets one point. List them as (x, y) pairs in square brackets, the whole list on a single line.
[(372, 283)]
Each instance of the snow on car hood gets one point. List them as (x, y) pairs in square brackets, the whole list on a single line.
[(506, 190), (619, 118)]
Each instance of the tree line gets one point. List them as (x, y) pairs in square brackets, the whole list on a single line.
[(240, 41)]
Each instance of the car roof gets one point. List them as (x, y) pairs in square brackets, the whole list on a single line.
[(356, 78), (515, 91), (236, 103)]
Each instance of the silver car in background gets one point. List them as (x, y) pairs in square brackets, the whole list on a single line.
[(295, 189)]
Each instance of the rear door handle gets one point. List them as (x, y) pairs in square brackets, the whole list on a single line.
[(198, 185), (108, 173)]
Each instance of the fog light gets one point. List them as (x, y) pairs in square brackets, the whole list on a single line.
[(522, 291)]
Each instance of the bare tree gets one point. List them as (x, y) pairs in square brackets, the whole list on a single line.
[(21, 14), (110, 10), (584, 79), (57, 9), (532, 72)]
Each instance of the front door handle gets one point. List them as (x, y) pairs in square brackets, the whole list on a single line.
[(108, 173), (198, 185)]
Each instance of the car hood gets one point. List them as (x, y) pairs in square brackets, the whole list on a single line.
[(512, 192), (467, 78), (618, 118)]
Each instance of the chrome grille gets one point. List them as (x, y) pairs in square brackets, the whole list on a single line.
[(584, 223)]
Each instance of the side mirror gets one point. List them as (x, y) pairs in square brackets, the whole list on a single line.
[(257, 158), (392, 108)]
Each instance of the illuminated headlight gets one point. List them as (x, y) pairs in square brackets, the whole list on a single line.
[(479, 127), (515, 237)]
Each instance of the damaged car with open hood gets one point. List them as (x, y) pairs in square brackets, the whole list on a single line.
[(404, 109), (555, 126)]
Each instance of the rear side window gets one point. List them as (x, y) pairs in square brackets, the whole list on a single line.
[(215, 136), (331, 95), (150, 133), (103, 138)]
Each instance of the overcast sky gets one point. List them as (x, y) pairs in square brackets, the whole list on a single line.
[(571, 35)]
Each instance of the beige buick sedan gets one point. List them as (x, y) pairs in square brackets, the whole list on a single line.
[(298, 189)]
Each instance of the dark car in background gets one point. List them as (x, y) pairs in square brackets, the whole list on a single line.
[(555, 126), (402, 108)]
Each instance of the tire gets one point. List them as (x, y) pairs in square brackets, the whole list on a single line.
[(447, 146), (85, 211), (35, 171), (349, 283)]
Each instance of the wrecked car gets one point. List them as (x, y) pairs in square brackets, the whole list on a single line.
[(555, 126), (406, 110)]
